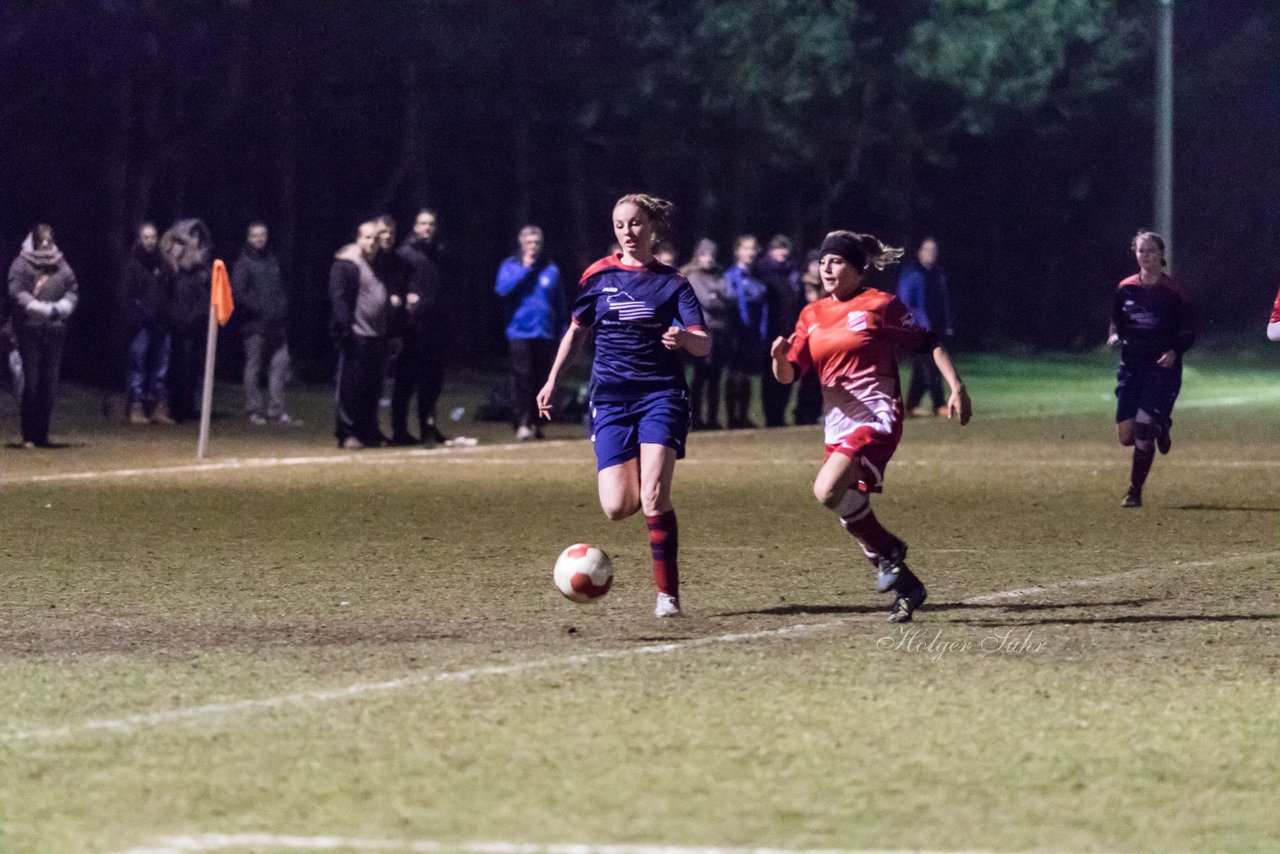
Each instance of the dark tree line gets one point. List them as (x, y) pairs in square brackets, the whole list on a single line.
[(1019, 132)]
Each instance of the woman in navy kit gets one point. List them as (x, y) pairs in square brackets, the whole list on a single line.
[(1151, 323), (643, 313)]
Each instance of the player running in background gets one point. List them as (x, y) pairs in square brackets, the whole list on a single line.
[(639, 400), (1151, 323), (851, 338)]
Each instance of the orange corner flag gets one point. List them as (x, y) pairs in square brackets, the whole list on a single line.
[(220, 293)]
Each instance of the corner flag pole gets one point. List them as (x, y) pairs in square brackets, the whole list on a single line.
[(220, 308)]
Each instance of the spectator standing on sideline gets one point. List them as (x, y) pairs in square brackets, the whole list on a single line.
[(9, 343), (751, 348), (420, 367), (187, 248), (44, 294), (781, 278), (809, 396), (360, 304), (720, 314), (12, 366), (262, 305), (922, 287), (529, 282), (146, 287), (664, 253), (1273, 323)]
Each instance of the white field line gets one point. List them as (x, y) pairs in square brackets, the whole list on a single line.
[(455, 456), (129, 724), (205, 842), (377, 457), (1255, 398)]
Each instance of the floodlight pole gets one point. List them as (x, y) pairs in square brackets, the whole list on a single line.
[(1164, 130)]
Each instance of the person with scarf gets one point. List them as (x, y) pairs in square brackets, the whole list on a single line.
[(44, 293)]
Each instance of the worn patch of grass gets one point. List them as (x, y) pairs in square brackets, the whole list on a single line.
[(1137, 711)]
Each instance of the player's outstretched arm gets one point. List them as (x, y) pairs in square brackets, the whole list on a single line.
[(958, 405), (1113, 337), (783, 371), (563, 353), (697, 342)]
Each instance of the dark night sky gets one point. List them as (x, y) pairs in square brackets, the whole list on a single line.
[(313, 115)]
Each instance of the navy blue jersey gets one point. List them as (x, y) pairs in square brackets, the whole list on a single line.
[(630, 308), (1151, 319)]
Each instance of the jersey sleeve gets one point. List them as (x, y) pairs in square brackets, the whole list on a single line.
[(901, 324), (688, 309), (584, 308), (1275, 310), (798, 354)]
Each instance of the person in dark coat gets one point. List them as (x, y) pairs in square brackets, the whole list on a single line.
[(419, 368), (360, 305), (188, 249), (923, 289), (146, 288), (808, 409), (263, 305), (785, 296), (720, 313), (44, 293)]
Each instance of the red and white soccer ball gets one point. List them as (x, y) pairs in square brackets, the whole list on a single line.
[(583, 573)]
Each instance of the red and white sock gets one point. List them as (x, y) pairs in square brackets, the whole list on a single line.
[(664, 545), (857, 518)]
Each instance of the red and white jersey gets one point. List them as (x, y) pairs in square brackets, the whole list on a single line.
[(1275, 310), (853, 344)]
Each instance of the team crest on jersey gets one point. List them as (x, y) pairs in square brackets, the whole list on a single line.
[(629, 308), (857, 321)]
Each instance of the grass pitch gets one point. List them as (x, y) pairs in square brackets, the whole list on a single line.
[(368, 646)]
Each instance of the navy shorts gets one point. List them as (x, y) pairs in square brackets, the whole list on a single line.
[(620, 427), (1149, 387)]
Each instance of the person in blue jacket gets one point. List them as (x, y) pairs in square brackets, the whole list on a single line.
[(530, 284), (751, 351), (922, 287)]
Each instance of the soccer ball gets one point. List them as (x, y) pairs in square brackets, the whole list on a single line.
[(583, 573)]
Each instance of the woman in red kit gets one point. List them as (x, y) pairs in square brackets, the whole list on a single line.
[(851, 338)]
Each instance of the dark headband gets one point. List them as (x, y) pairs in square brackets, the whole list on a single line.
[(847, 247)]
